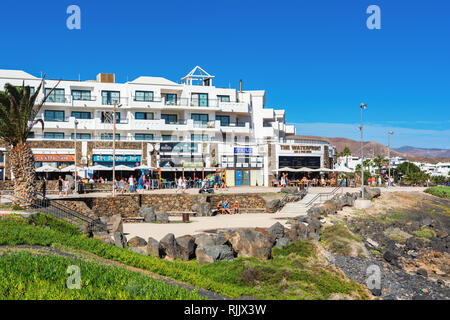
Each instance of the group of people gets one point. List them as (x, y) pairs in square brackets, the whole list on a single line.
[(63, 186), (139, 185), (223, 207)]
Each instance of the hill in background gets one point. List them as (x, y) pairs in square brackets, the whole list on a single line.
[(373, 149)]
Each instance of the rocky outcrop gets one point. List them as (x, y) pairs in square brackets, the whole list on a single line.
[(137, 242), (213, 253), (251, 243), (204, 239), (148, 213), (202, 208), (188, 246), (154, 248), (120, 240), (370, 193), (172, 250)]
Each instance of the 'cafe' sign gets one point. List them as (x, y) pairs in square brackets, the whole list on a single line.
[(54, 157)]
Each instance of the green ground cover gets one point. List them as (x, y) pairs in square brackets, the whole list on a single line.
[(295, 272), (30, 276), (441, 192)]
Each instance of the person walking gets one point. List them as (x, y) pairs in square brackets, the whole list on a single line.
[(122, 186), (131, 184), (66, 186), (60, 186)]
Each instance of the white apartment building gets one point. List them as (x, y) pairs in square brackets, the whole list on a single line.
[(186, 128)]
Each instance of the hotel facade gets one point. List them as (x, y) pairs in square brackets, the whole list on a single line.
[(188, 127)]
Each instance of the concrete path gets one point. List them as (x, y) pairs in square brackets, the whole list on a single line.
[(263, 220), (202, 224)]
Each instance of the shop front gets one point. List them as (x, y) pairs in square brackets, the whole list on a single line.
[(129, 160), (243, 167), (59, 161)]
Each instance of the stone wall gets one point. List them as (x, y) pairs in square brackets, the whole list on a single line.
[(128, 205)]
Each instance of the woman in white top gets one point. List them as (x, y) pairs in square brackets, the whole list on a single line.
[(66, 186)]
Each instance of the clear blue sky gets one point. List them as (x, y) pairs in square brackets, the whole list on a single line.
[(316, 59)]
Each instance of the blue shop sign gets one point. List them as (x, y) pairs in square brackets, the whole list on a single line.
[(238, 150), (119, 158)]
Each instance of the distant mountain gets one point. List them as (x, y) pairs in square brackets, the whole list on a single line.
[(423, 152), (373, 149)]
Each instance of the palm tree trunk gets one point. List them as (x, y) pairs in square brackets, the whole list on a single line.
[(22, 164)]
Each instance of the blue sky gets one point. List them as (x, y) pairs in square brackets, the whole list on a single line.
[(316, 59)]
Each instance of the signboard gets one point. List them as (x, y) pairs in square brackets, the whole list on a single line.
[(240, 150), (119, 158), (193, 164), (54, 157), (286, 149), (178, 147)]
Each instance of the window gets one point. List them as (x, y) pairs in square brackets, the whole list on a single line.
[(199, 137), (200, 99), (31, 135), (224, 120), (81, 115), (107, 117), (81, 95), (82, 136), (53, 135), (143, 136), (171, 99), (200, 119), (143, 96), (109, 97), (143, 115), (53, 115), (223, 98), (109, 136), (56, 96), (166, 137), (169, 118)]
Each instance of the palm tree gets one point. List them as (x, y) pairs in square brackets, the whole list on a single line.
[(379, 161), (344, 153), (18, 109)]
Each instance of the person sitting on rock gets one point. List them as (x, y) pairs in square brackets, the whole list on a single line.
[(237, 209), (219, 207), (225, 207)]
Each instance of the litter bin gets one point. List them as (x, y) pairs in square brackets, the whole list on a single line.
[(185, 217)]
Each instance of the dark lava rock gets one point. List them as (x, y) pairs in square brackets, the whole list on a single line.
[(422, 272)]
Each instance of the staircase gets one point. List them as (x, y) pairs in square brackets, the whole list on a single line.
[(42, 204)]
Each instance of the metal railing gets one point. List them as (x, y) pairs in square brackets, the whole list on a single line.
[(323, 194), (40, 203)]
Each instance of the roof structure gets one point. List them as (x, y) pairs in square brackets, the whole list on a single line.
[(16, 74), (154, 80), (198, 74)]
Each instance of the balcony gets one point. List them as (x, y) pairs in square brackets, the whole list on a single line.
[(236, 127), (239, 107)]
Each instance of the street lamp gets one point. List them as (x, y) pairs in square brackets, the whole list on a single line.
[(75, 143), (389, 156), (114, 148), (363, 106)]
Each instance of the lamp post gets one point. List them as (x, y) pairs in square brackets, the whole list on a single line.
[(114, 148), (389, 156), (363, 106), (75, 143)]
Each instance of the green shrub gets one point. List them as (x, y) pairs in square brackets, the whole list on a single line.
[(441, 192), (28, 276)]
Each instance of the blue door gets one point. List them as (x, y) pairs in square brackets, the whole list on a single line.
[(238, 178)]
